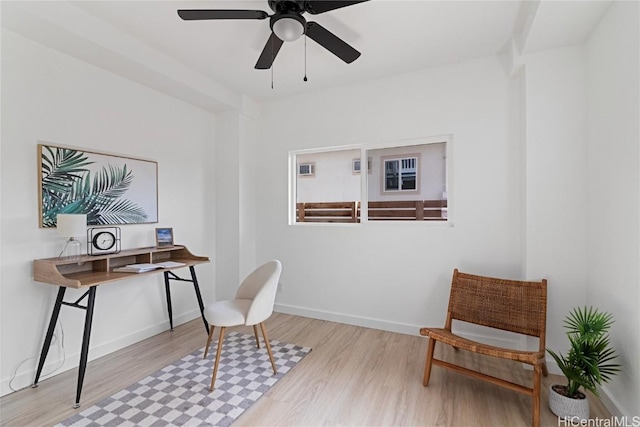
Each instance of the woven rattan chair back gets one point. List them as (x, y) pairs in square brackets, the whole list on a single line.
[(510, 305)]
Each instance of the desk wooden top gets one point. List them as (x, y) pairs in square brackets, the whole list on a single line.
[(88, 270)]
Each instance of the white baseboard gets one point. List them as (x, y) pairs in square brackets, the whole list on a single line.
[(612, 404), (366, 322), (72, 360)]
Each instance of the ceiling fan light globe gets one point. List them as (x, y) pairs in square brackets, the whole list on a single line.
[(288, 29)]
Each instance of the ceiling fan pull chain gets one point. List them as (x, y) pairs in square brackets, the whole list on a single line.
[(305, 57), (272, 64)]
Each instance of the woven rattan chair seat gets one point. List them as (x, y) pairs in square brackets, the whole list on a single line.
[(447, 337)]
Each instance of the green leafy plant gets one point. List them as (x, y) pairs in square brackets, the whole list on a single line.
[(68, 187), (588, 362)]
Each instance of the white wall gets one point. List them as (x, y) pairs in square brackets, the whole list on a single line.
[(555, 170), (236, 207), (52, 97), (227, 218), (396, 276), (613, 227)]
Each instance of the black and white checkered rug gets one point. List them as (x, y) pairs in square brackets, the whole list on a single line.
[(178, 394)]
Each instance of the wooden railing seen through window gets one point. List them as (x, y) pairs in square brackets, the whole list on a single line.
[(404, 210)]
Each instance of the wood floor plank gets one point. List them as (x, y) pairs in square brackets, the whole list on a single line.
[(353, 376)]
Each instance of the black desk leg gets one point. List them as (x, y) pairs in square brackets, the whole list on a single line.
[(194, 279), (49, 336), (85, 342), (167, 290)]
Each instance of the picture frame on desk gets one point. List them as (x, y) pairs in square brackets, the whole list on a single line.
[(164, 237)]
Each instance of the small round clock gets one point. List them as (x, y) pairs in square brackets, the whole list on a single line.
[(104, 240)]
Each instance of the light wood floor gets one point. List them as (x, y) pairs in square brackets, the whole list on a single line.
[(353, 377)]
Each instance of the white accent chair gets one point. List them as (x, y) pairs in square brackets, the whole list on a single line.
[(252, 305)]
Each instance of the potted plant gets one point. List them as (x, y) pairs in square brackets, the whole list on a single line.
[(587, 364)]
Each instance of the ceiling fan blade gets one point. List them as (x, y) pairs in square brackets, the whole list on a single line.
[(197, 14), (269, 53), (331, 42), (315, 7)]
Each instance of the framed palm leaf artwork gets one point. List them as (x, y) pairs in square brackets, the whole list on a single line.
[(109, 189)]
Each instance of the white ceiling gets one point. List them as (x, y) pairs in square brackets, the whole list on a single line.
[(210, 63)]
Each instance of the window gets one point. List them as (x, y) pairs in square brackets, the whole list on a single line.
[(306, 169), (356, 166), (401, 174), (406, 181)]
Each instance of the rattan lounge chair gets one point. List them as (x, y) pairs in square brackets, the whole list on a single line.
[(515, 306)]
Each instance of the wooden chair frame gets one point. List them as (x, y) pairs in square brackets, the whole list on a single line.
[(515, 306), (219, 350)]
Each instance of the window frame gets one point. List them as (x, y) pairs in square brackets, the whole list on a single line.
[(399, 158)]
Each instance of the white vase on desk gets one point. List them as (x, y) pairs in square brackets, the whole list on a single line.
[(71, 226), (72, 249)]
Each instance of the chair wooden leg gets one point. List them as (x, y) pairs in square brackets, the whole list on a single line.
[(255, 332), (545, 371), (266, 341), (536, 396), (206, 348), (215, 366), (427, 366)]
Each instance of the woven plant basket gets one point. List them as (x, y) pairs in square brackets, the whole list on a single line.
[(568, 408)]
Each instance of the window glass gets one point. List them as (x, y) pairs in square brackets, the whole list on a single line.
[(400, 174), (402, 183)]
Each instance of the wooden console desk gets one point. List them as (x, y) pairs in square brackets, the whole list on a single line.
[(88, 272)]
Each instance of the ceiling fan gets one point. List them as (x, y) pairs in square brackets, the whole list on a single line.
[(287, 24)]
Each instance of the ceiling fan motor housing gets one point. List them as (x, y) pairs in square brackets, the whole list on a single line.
[(284, 6)]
